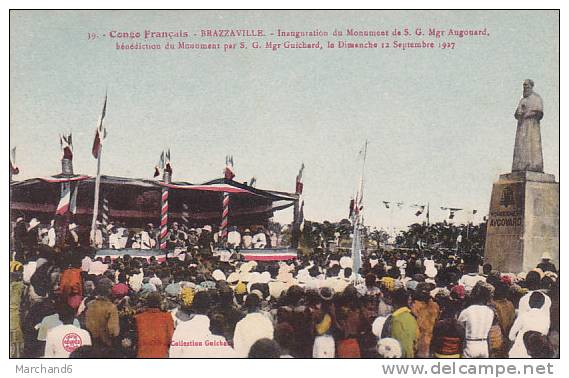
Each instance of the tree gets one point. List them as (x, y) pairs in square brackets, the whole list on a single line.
[(379, 237)]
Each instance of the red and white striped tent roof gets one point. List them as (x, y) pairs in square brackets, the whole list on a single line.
[(137, 201)]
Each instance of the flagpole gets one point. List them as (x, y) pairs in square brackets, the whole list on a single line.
[(356, 242), (96, 200), (99, 137)]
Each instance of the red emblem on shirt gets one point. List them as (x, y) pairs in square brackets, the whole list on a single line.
[(71, 341)]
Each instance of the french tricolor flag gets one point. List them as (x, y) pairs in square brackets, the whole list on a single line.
[(100, 133), (68, 199)]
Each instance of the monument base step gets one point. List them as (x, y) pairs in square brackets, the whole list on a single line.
[(527, 176)]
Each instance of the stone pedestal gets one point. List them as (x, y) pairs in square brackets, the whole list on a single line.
[(523, 221)]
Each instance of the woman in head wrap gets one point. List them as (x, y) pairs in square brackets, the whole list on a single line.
[(324, 346), (351, 323), (448, 335), (154, 329), (505, 313), (426, 312)]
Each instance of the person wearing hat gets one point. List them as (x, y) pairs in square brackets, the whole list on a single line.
[(205, 240), (477, 319), (72, 238), (146, 240), (43, 235), (31, 237), (324, 344), (154, 329), (102, 317), (51, 234), (260, 239), (426, 311), (247, 239), (546, 265), (233, 238)]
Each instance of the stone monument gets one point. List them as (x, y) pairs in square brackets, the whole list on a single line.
[(523, 222)]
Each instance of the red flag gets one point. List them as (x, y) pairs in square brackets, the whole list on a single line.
[(99, 133), (66, 143), (64, 199)]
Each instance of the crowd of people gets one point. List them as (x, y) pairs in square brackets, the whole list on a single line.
[(118, 236), (68, 303)]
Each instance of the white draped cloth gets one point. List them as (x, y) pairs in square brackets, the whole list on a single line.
[(253, 327)]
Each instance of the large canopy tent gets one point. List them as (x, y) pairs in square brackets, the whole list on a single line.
[(136, 202)]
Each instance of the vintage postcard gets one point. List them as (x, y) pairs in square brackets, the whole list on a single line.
[(285, 184)]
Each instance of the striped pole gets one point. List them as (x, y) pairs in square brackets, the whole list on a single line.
[(164, 218), (224, 217), (105, 222)]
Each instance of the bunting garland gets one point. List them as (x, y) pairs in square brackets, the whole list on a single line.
[(452, 211)]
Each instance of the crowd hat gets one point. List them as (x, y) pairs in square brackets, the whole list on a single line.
[(33, 223), (326, 293), (389, 348), (233, 278), (346, 262), (218, 275), (546, 255), (458, 292), (276, 288), (240, 289)]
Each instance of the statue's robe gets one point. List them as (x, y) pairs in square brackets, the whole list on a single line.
[(528, 155)]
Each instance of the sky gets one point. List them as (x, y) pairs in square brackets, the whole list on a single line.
[(439, 123)]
